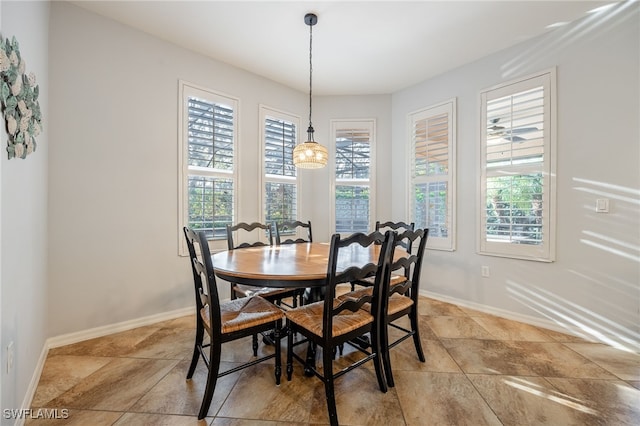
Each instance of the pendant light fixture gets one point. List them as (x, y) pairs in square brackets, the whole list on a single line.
[(310, 155)]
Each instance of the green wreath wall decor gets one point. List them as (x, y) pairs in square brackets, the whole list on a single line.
[(19, 95)]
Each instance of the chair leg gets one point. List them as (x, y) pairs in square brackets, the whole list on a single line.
[(254, 345), (329, 391), (416, 335), (212, 378), (278, 355), (384, 350), (196, 350), (378, 361), (289, 350)]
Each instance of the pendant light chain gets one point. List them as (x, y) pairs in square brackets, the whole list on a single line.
[(310, 129)]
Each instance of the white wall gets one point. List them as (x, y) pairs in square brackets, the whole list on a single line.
[(594, 285), (23, 262), (113, 165)]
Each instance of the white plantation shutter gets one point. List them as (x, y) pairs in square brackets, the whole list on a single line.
[(518, 169), (353, 173), (280, 135), (433, 173), (207, 161)]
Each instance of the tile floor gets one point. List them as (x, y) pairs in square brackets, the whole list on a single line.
[(480, 370)]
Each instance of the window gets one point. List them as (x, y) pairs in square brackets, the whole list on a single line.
[(279, 136), (207, 140), (354, 201), (433, 148), (517, 193)]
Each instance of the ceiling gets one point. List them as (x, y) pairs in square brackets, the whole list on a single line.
[(359, 47)]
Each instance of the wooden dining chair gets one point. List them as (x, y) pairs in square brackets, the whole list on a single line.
[(401, 288), (382, 227), (290, 229), (260, 235), (333, 322), (225, 322)]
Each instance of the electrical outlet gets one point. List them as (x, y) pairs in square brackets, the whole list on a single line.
[(485, 271), (10, 356)]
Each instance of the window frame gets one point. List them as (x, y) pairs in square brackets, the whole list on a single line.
[(544, 252), (449, 107), (340, 124), (186, 90), (269, 112)]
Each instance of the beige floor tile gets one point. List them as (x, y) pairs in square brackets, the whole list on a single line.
[(116, 344), (174, 394), (625, 365), (186, 322), (537, 401), (256, 396), (441, 399), (437, 359), (503, 329), (61, 373), (433, 307), (165, 343), (612, 401), (359, 401), (116, 386), (521, 359), (457, 328), (565, 337)]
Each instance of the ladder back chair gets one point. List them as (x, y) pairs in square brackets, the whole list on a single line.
[(381, 227), (401, 287), (255, 230), (290, 228), (332, 322), (398, 227), (225, 322)]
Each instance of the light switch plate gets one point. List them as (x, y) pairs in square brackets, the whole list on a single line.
[(602, 205)]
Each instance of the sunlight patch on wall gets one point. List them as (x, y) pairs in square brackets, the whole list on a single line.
[(597, 21)]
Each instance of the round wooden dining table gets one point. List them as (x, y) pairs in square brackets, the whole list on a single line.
[(287, 265)]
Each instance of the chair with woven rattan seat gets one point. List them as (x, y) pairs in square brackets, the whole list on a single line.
[(401, 291), (262, 235), (331, 322), (382, 227), (225, 322)]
